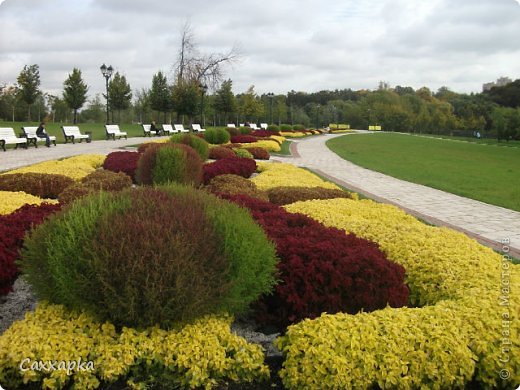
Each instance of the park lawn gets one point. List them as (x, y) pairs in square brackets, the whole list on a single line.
[(483, 141), (482, 172), (285, 149)]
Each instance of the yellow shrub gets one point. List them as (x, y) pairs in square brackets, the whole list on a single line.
[(11, 201), (270, 146), (276, 175), (198, 355), (75, 167), (292, 134), (463, 281), (278, 138)]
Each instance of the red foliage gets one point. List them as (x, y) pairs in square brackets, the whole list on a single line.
[(12, 231), (322, 269), (219, 152), (240, 166), (264, 133), (259, 153), (243, 139), (125, 162)]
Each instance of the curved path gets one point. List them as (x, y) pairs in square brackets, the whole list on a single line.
[(490, 225)]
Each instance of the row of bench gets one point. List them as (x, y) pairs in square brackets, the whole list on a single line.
[(72, 133)]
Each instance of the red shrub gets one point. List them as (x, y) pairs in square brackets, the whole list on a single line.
[(244, 167), (322, 269), (43, 185), (125, 162), (218, 153), (243, 139), (264, 133), (259, 153), (142, 148), (12, 231)]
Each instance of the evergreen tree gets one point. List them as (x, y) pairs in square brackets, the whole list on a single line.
[(119, 94), (29, 85), (160, 94), (225, 101), (75, 92)]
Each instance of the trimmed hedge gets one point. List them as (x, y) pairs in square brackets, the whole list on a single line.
[(243, 139), (219, 152), (191, 254), (197, 143), (125, 162), (242, 152), (233, 184), (96, 181), (42, 185), (286, 195), (259, 153), (216, 136), (244, 167)]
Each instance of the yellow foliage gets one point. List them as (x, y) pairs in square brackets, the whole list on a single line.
[(470, 294), (11, 201), (292, 134), (198, 355), (270, 146), (277, 175)]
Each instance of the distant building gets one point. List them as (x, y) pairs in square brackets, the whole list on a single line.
[(499, 83)]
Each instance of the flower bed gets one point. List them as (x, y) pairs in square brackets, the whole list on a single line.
[(287, 175), (11, 201)]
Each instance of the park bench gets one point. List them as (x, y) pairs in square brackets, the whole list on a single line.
[(30, 133), (264, 126), (231, 126), (181, 129), (196, 127), (167, 128), (253, 126), (8, 136), (147, 131), (113, 132), (72, 133)]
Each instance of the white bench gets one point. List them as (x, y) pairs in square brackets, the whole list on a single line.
[(196, 127), (113, 132), (147, 132), (264, 126), (32, 138), (169, 129), (72, 133), (8, 136), (180, 129), (231, 126), (242, 125), (253, 126)]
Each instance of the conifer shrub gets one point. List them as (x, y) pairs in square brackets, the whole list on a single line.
[(322, 269), (274, 129), (259, 153), (242, 152), (298, 127), (42, 185), (197, 143), (233, 184), (216, 136), (285, 127), (167, 162), (123, 161), (219, 152), (150, 256), (287, 195), (245, 130), (244, 167), (13, 228)]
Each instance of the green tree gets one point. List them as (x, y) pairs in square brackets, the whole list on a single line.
[(142, 105), (95, 111), (160, 94), (186, 95), (75, 92), (29, 85), (9, 96), (225, 102), (250, 106), (119, 94)]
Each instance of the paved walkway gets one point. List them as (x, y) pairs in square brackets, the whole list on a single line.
[(487, 223), (21, 157)]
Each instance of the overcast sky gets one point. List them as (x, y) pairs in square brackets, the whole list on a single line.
[(305, 45)]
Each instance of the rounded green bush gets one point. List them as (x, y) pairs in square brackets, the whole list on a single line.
[(217, 136), (298, 127), (241, 152), (150, 256), (273, 128), (245, 130), (165, 163), (285, 127), (197, 143)]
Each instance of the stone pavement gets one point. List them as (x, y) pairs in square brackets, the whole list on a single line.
[(487, 223), (21, 157)]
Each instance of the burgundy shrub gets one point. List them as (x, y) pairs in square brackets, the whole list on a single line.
[(219, 152), (322, 269), (43, 185), (264, 133), (12, 231), (259, 153), (240, 166), (125, 162), (243, 139)]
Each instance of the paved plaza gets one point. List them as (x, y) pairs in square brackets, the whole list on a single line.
[(487, 223)]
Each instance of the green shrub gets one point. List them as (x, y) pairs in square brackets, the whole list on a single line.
[(285, 127), (217, 136), (43, 185), (287, 195), (150, 256), (233, 184), (241, 152), (167, 162), (233, 131), (245, 130), (197, 143), (273, 128), (298, 127)]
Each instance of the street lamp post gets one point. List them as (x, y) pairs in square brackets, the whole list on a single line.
[(270, 95), (107, 73), (204, 88)]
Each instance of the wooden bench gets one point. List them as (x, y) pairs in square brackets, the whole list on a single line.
[(181, 129), (113, 132), (8, 136), (72, 133), (32, 138), (196, 127), (167, 128)]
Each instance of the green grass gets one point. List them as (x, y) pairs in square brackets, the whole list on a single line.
[(480, 172), (286, 149), (481, 141)]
